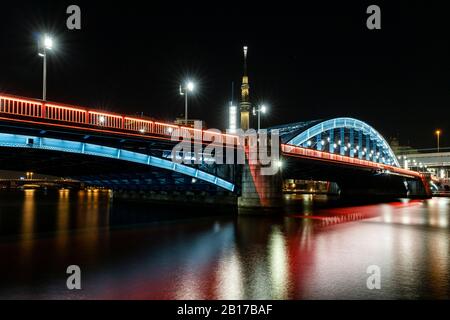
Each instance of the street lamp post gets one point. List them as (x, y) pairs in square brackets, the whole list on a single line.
[(438, 133), (46, 44), (259, 110), (188, 87)]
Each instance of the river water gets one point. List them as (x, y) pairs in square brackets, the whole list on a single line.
[(315, 248)]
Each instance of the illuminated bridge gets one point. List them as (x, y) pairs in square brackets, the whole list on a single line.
[(131, 153)]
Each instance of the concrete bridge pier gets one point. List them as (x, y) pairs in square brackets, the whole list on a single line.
[(260, 193), (419, 189)]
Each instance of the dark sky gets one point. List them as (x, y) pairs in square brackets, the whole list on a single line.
[(305, 61)]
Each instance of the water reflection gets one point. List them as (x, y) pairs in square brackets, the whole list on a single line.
[(316, 250)]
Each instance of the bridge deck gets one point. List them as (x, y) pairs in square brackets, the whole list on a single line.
[(295, 151)]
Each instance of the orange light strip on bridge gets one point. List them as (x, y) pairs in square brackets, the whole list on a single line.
[(327, 156), (5, 99), (137, 119), (106, 114), (64, 107)]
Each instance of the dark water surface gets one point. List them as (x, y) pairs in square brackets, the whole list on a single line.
[(315, 249)]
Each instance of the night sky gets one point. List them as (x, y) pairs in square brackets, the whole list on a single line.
[(305, 62)]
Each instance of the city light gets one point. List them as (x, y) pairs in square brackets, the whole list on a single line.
[(45, 44), (48, 42), (232, 121), (257, 111), (189, 86), (438, 135)]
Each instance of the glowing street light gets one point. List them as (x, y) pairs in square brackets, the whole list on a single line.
[(189, 86), (259, 110), (45, 44), (438, 134)]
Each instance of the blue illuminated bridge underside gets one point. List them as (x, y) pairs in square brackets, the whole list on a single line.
[(66, 146)]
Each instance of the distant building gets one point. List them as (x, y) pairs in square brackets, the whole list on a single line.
[(189, 123), (401, 150), (245, 104)]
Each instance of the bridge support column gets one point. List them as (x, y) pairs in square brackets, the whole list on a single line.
[(352, 144), (260, 193), (367, 147), (342, 139), (331, 143), (419, 189), (360, 144), (319, 142)]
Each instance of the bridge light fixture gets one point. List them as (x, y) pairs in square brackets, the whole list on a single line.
[(339, 142), (44, 44), (48, 42), (438, 134), (328, 139), (322, 142), (260, 109), (357, 147), (170, 130), (194, 180), (309, 143), (189, 86), (101, 119), (334, 145), (142, 130), (345, 148), (349, 145)]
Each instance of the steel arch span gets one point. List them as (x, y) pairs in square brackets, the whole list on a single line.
[(41, 143), (347, 136)]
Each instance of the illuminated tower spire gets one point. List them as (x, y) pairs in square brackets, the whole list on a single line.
[(245, 96)]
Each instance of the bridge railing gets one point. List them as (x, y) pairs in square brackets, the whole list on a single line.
[(56, 112), (20, 107), (311, 153)]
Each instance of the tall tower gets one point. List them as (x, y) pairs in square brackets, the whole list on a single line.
[(245, 97)]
